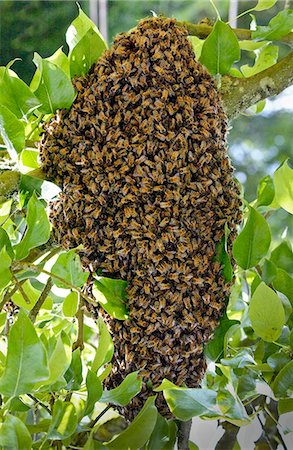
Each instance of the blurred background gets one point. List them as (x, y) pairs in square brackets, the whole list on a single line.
[(258, 143)]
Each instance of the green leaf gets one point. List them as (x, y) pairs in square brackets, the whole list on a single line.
[(33, 296), (5, 242), (223, 257), (246, 385), (283, 384), (59, 360), (14, 434), (139, 431), (73, 375), (258, 107), (186, 403), (231, 406), (278, 360), (193, 446), (220, 50), (55, 90), (68, 267), (64, 420), (5, 272), (59, 59), (122, 394), (250, 46), (5, 207), (26, 362), (265, 191), (264, 4), (93, 444), (215, 347), (266, 313), (285, 405), (16, 96), (17, 405), (12, 132), (79, 27), (282, 256), (241, 359), (283, 181), (269, 271), (163, 436), (265, 57), (70, 304), (27, 187), (112, 296), (28, 160), (38, 228), (253, 242), (105, 350), (94, 392), (85, 53), (278, 26), (196, 45), (284, 283)]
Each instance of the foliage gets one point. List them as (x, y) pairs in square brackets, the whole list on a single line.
[(54, 355)]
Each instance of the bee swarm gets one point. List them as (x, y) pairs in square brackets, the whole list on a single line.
[(147, 188)]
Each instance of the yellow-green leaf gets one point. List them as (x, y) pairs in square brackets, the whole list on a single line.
[(283, 181), (266, 313), (220, 50)]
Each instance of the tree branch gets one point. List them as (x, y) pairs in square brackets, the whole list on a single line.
[(202, 30), (45, 292), (238, 94), (183, 434)]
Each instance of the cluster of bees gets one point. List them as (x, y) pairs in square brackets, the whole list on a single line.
[(147, 188)]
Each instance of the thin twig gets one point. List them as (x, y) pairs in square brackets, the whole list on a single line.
[(91, 425), (95, 421), (38, 402), (44, 294), (20, 288), (8, 294)]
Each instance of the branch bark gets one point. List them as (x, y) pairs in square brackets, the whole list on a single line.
[(202, 30), (183, 434), (35, 310), (238, 94)]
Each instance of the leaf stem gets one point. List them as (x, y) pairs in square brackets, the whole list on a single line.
[(216, 9), (20, 288), (36, 125)]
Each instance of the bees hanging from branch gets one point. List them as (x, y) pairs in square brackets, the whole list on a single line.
[(147, 188)]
